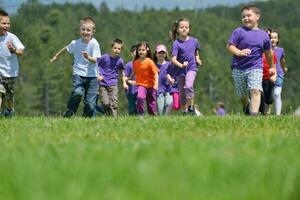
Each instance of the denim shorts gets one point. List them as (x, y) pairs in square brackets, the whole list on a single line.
[(7, 87), (279, 80), (247, 80)]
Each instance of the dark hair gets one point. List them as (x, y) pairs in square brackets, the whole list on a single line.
[(88, 20), (3, 13), (268, 31), (116, 41), (144, 43), (252, 7), (275, 31), (175, 25), (133, 48)]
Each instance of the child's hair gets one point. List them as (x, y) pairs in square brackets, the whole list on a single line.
[(133, 48), (88, 20), (116, 41), (252, 7), (144, 43), (159, 48), (173, 32), (275, 31), (268, 31), (221, 104), (3, 14)]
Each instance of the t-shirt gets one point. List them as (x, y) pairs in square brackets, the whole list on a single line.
[(109, 68), (280, 55), (174, 72), (186, 51), (9, 66), (266, 67), (164, 85), (128, 71), (256, 40), (81, 66), (145, 72)]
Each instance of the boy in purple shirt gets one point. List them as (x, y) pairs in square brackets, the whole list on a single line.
[(247, 44), (109, 67)]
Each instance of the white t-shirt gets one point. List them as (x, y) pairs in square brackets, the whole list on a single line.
[(82, 66), (9, 66)]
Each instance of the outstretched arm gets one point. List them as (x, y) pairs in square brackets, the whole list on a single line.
[(272, 70), (55, 57)]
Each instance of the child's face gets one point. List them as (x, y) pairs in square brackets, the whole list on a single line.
[(161, 56), (274, 39), (142, 51), (4, 25), (250, 19), (116, 49), (87, 31), (183, 28)]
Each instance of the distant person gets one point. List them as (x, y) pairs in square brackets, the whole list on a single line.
[(220, 109), (109, 67), (164, 99), (267, 84), (131, 89), (281, 70), (185, 55), (85, 71), (10, 48), (146, 74), (247, 44)]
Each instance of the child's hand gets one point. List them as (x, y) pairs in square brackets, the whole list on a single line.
[(130, 82), (185, 64), (100, 78), (245, 52), (125, 86), (172, 81), (155, 87), (198, 61), (85, 54), (273, 74), (11, 47)]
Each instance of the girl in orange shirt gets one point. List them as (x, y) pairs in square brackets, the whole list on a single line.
[(146, 73)]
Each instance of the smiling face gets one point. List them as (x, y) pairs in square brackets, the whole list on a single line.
[(4, 25), (87, 30), (274, 39), (142, 51), (183, 29), (250, 18)]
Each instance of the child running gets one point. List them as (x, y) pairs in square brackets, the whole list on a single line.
[(146, 73), (281, 70), (164, 98), (185, 55), (247, 44), (85, 70), (10, 48)]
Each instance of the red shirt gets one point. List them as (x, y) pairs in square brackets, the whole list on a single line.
[(266, 67)]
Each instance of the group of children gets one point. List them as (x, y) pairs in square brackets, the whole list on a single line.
[(161, 83)]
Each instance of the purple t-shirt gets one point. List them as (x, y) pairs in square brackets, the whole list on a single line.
[(109, 68), (132, 89), (256, 40), (163, 83), (186, 51), (220, 112), (279, 55), (174, 72)]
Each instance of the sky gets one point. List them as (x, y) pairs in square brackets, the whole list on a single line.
[(11, 6)]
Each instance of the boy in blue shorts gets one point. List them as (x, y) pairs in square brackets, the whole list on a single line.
[(85, 71), (10, 48), (247, 44)]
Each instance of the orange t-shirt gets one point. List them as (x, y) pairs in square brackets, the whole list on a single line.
[(145, 72)]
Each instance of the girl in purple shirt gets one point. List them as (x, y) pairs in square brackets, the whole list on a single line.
[(185, 55)]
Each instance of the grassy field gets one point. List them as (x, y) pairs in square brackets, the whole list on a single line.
[(150, 158)]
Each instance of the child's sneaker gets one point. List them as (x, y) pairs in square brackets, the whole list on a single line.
[(8, 113), (191, 110), (68, 114)]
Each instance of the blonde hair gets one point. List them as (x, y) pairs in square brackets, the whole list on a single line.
[(88, 20), (252, 7)]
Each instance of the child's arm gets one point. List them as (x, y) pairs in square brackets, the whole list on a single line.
[(283, 65), (198, 60), (178, 64), (88, 57), (272, 70), (12, 49), (124, 79), (170, 79), (237, 52), (155, 87), (55, 57)]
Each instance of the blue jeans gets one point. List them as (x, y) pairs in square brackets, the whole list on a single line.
[(86, 87)]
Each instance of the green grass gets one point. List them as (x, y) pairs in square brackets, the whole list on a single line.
[(150, 158)]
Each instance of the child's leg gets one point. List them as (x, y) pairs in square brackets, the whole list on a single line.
[(189, 90), (181, 83), (176, 100), (277, 98), (141, 98), (131, 103), (104, 99), (151, 101), (160, 104), (254, 85), (75, 98), (255, 101), (90, 97), (169, 103), (240, 85), (113, 100)]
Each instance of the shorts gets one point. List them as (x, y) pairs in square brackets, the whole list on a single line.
[(247, 80), (7, 87), (279, 80)]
